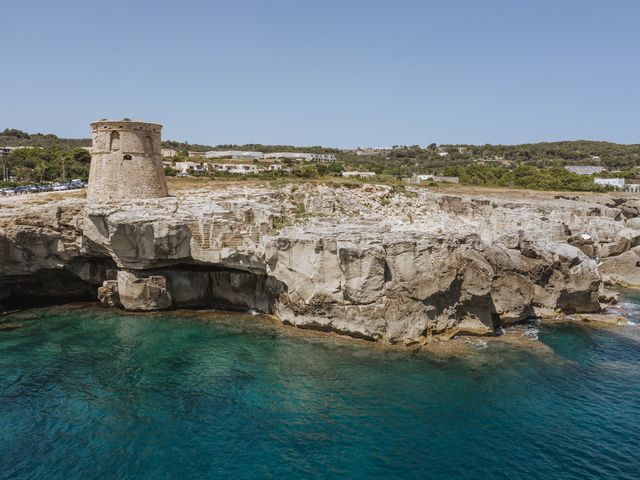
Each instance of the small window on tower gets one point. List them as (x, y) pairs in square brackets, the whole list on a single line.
[(115, 142), (127, 157)]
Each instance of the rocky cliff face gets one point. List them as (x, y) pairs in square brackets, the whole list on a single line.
[(366, 262)]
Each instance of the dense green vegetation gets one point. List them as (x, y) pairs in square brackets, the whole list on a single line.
[(250, 147), (523, 176), (38, 165), (11, 137), (52, 159), (538, 165), (414, 159)]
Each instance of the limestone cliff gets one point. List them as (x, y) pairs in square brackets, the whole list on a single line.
[(367, 262)]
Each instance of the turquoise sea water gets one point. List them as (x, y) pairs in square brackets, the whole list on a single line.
[(89, 393)]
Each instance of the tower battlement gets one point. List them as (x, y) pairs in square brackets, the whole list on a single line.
[(126, 163)]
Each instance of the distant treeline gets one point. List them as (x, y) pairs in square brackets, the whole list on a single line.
[(414, 159), (249, 147), (403, 158), (499, 165), (11, 137)]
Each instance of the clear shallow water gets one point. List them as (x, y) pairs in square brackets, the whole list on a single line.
[(89, 393)]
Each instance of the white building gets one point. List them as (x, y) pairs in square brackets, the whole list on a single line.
[(305, 157), (358, 174), (433, 178), (612, 182), (189, 167), (8, 150), (442, 152), (375, 149), (421, 178), (235, 168), (633, 187), (235, 154), (251, 155), (372, 150), (168, 152), (585, 169)]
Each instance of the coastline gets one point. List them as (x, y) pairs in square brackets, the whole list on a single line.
[(523, 335), (396, 268)]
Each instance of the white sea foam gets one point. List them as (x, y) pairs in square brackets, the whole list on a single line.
[(478, 344), (628, 310), (625, 308), (531, 333)]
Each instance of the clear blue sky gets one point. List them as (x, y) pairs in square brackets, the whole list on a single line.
[(326, 72)]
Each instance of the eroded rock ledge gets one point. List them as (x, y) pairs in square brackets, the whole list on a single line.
[(366, 262)]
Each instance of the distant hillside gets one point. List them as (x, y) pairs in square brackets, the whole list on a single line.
[(403, 160), (251, 147), (533, 166), (11, 137), (611, 155)]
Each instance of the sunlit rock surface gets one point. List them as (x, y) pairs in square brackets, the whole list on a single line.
[(366, 261)]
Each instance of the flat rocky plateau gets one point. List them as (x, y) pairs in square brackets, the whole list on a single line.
[(397, 267)]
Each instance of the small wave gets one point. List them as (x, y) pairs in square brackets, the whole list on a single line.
[(630, 311), (625, 308), (528, 330), (478, 344), (531, 333)]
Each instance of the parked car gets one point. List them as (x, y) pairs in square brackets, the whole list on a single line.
[(74, 184)]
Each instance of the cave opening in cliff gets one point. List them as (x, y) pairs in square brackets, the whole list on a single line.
[(200, 286), (77, 282)]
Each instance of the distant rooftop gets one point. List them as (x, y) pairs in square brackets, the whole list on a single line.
[(585, 169)]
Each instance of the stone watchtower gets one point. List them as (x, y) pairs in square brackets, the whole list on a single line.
[(125, 161)]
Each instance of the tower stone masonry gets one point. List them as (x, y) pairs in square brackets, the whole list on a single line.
[(126, 163)]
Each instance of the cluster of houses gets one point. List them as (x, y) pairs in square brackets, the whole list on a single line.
[(250, 155), (618, 183), (189, 168), (440, 150), (194, 166)]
